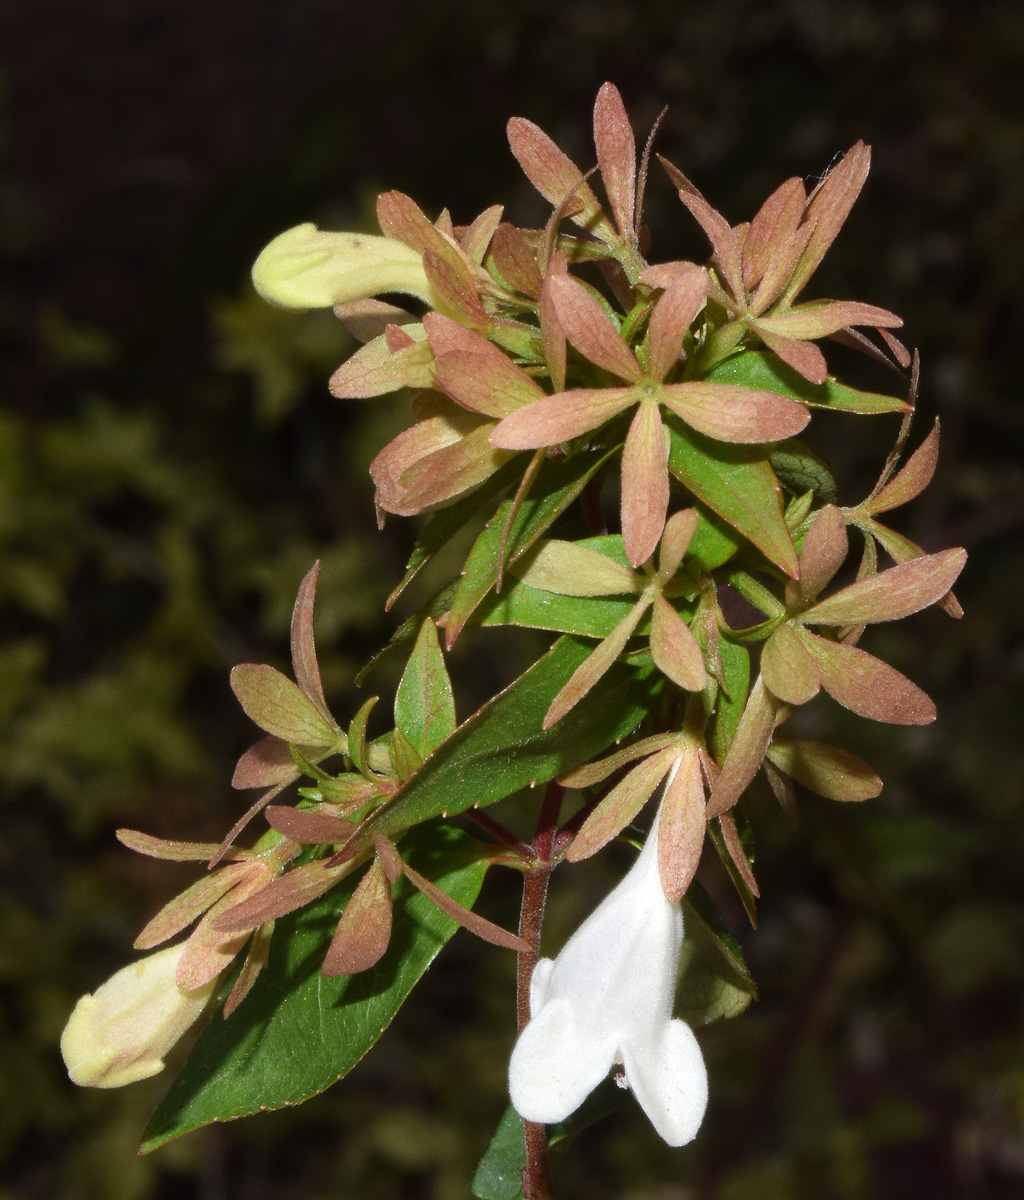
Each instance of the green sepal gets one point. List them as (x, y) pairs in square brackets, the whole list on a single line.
[(424, 703)]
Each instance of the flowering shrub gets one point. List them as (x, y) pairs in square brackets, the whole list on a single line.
[(550, 370)]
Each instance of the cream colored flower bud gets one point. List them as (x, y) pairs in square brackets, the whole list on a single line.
[(306, 267), (121, 1032)]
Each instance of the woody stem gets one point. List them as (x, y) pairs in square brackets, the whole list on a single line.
[(536, 1180)]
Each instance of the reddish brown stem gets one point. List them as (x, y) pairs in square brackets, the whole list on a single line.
[(536, 1178)]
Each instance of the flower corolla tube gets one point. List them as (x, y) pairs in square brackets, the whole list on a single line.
[(606, 999), (120, 1033), (306, 267)]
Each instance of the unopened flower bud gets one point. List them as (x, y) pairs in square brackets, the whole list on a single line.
[(306, 267), (121, 1032)]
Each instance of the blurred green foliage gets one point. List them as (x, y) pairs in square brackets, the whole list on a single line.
[(170, 465)]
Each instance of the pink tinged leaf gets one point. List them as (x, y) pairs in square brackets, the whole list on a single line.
[(912, 479), (310, 828), (675, 649), (515, 260), (446, 335), (828, 771), (901, 549), (569, 569), (364, 931), (561, 417), (264, 765), (278, 706), (719, 232), (771, 229), (616, 156), (671, 274), (397, 338), (780, 269), (738, 855), (673, 315), (411, 446), (367, 319), (788, 670), (804, 357), (596, 664), (374, 370), (477, 237), (281, 896), (154, 847), (455, 469), (681, 825), (866, 685), (782, 790), (596, 772), (256, 958), (822, 317), (893, 594), (454, 287), (730, 413), (185, 908), (747, 751), (488, 383), (466, 917), (621, 805), (828, 209), (444, 223), (824, 551), (552, 333), (554, 175), (390, 859), (899, 351), (645, 486), (304, 664), (590, 329), (401, 218), (675, 541), (209, 950)]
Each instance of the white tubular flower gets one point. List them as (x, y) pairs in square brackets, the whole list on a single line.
[(121, 1032), (607, 998), (306, 267)]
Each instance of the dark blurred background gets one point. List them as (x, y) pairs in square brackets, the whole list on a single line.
[(171, 463)]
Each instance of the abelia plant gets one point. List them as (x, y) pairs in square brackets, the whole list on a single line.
[(550, 369)]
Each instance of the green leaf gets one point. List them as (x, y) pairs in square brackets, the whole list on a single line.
[(557, 485), (446, 524), (424, 704), (502, 748), (499, 1173), (729, 707), (756, 369), (714, 541), (801, 469), (533, 609), (298, 1032), (738, 483), (714, 982)]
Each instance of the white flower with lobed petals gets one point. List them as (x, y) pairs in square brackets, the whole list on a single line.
[(606, 999)]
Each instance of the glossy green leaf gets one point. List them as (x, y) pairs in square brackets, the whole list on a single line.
[(499, 1173), (756, 369), (801, 469), (533, 609), (729, 705), (298, 1032), (446, 524), (738, 483), (503, 748), (557, 485), (714, 982), (424, 704)]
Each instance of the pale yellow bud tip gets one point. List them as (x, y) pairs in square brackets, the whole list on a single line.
[(306, 267), (121, 1032)]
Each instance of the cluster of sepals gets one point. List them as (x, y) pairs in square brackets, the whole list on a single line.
[(529, 381)]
